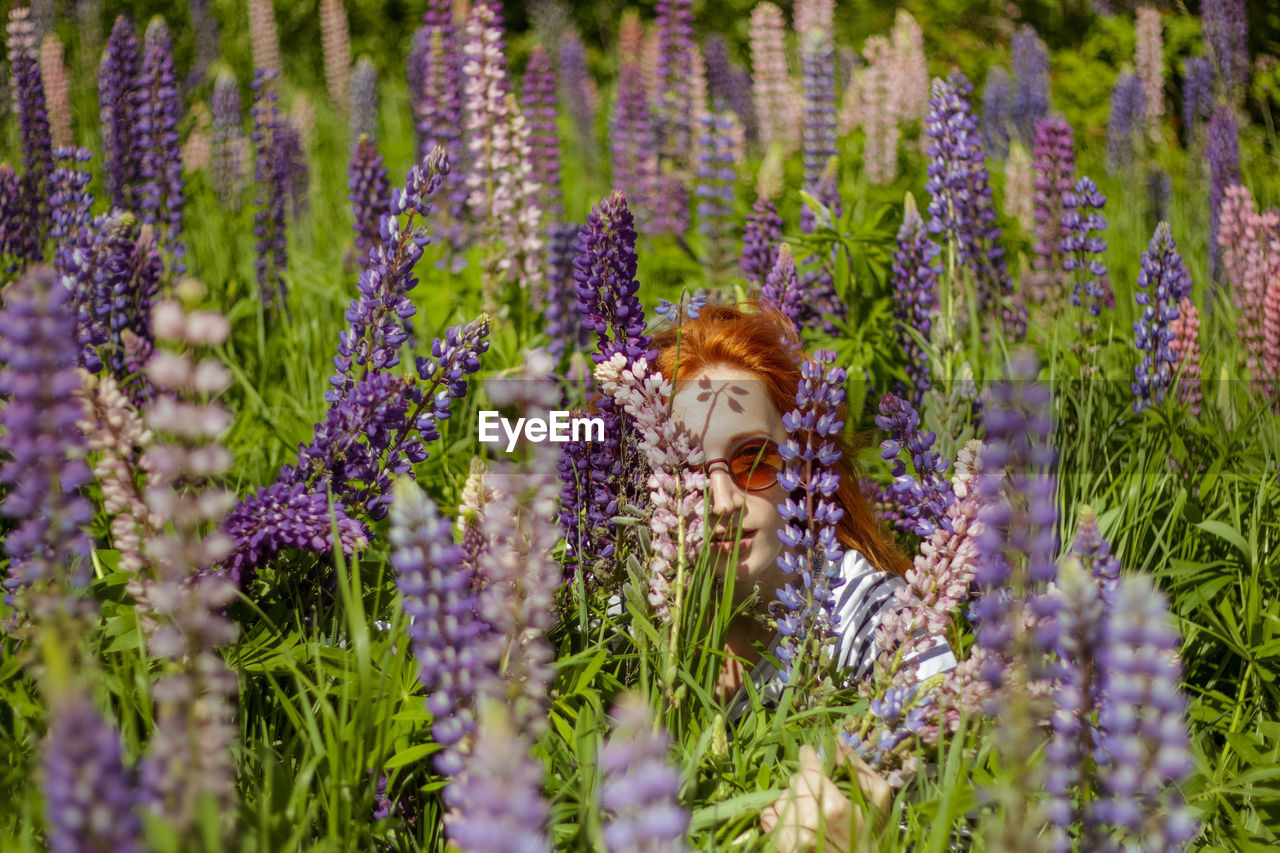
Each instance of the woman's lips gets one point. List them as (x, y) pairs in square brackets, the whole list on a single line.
[(726, 545)]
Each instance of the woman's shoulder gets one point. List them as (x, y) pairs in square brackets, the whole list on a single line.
[(864, 592)]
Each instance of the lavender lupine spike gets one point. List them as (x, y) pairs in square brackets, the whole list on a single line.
[(714, 188), (559, 311), (1225, 26), (1165, 282), (496, 800), (578, 92), (91, 799), (1054, 170), (674, 104), (1018, 547), (760, 241), (436, 96), (540, 106), (1197, 95), (1094, 552), (159, 110), (817, 62), (1031, 81), (997, 111), (924, 498), (364, 99), (1082, 248), (781, 287), (1224, 170), (375, 316), (1144, 753), (269, 219), (369, 191), (812, 554), (915, 284), (1071, 781), (640, 789), (439, 595), (33, 129), (291, 161), (228, 139), (208, 42), (188, 765), (1124, 123), (500, 181), (633, 140), (960, 208), (44, 471)]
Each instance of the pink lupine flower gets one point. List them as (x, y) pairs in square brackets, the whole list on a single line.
[(54, 71), (1250, 259), (263, 37), (1186, 347), (1271, 336), (676, 480), (335, 38), (776, 106), (1148, 57), (879, 118), (1019, 197), (911, 72)]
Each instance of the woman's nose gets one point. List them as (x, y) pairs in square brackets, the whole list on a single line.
[(726, 497)]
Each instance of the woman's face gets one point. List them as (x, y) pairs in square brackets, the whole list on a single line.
[(722, 406)]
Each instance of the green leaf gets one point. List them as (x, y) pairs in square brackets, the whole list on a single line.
[(1230, 534), (411, 755)]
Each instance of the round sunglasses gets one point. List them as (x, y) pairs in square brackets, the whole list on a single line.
[(753, 464)]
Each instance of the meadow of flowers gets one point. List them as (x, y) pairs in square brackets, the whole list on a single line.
[(263, 264)]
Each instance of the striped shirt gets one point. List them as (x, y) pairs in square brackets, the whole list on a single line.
[(860, 601)]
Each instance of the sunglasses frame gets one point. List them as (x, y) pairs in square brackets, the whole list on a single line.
[(765, 441)]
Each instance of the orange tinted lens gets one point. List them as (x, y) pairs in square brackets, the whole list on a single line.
[(756, 465)]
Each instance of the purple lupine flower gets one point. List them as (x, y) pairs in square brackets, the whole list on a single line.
[(133, 295), (1082, 249), (1095, 553), (716, 55), (381, 424), (286, 516), (38, 347), (915, 285), (438, 589), (364, 99), (640, 789), (1224, 170), (960, 207), (1225, 27), (269, 219), (159, 110), (997, 109), (1018, 547), (228, 139), (375, 316), (117, 84), (576, 89), (633, 140), (1165, 282), (1144, 752), (781, 287), (542, 113), (822, 304), (1197, 94), (1125, 121), (674, 108), (1031, 82), (496, 803), (714, 188), (760, 241), (1081, 615), (817, 61), (91, 799), (369, 191), (292, 163), (925, 497), (688, 305), (1159, 194), (204, 27), (1054, 167), (560, 309), (69, 198), (890, 726), (436, 96), (590, 472), (812, 553), (26, 231), (12, 212)]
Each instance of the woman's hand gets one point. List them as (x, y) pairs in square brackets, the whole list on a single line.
[(813, 802)]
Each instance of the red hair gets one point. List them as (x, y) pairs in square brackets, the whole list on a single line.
[(764, 342)]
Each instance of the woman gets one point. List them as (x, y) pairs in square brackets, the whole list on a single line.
[(735, 373)]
